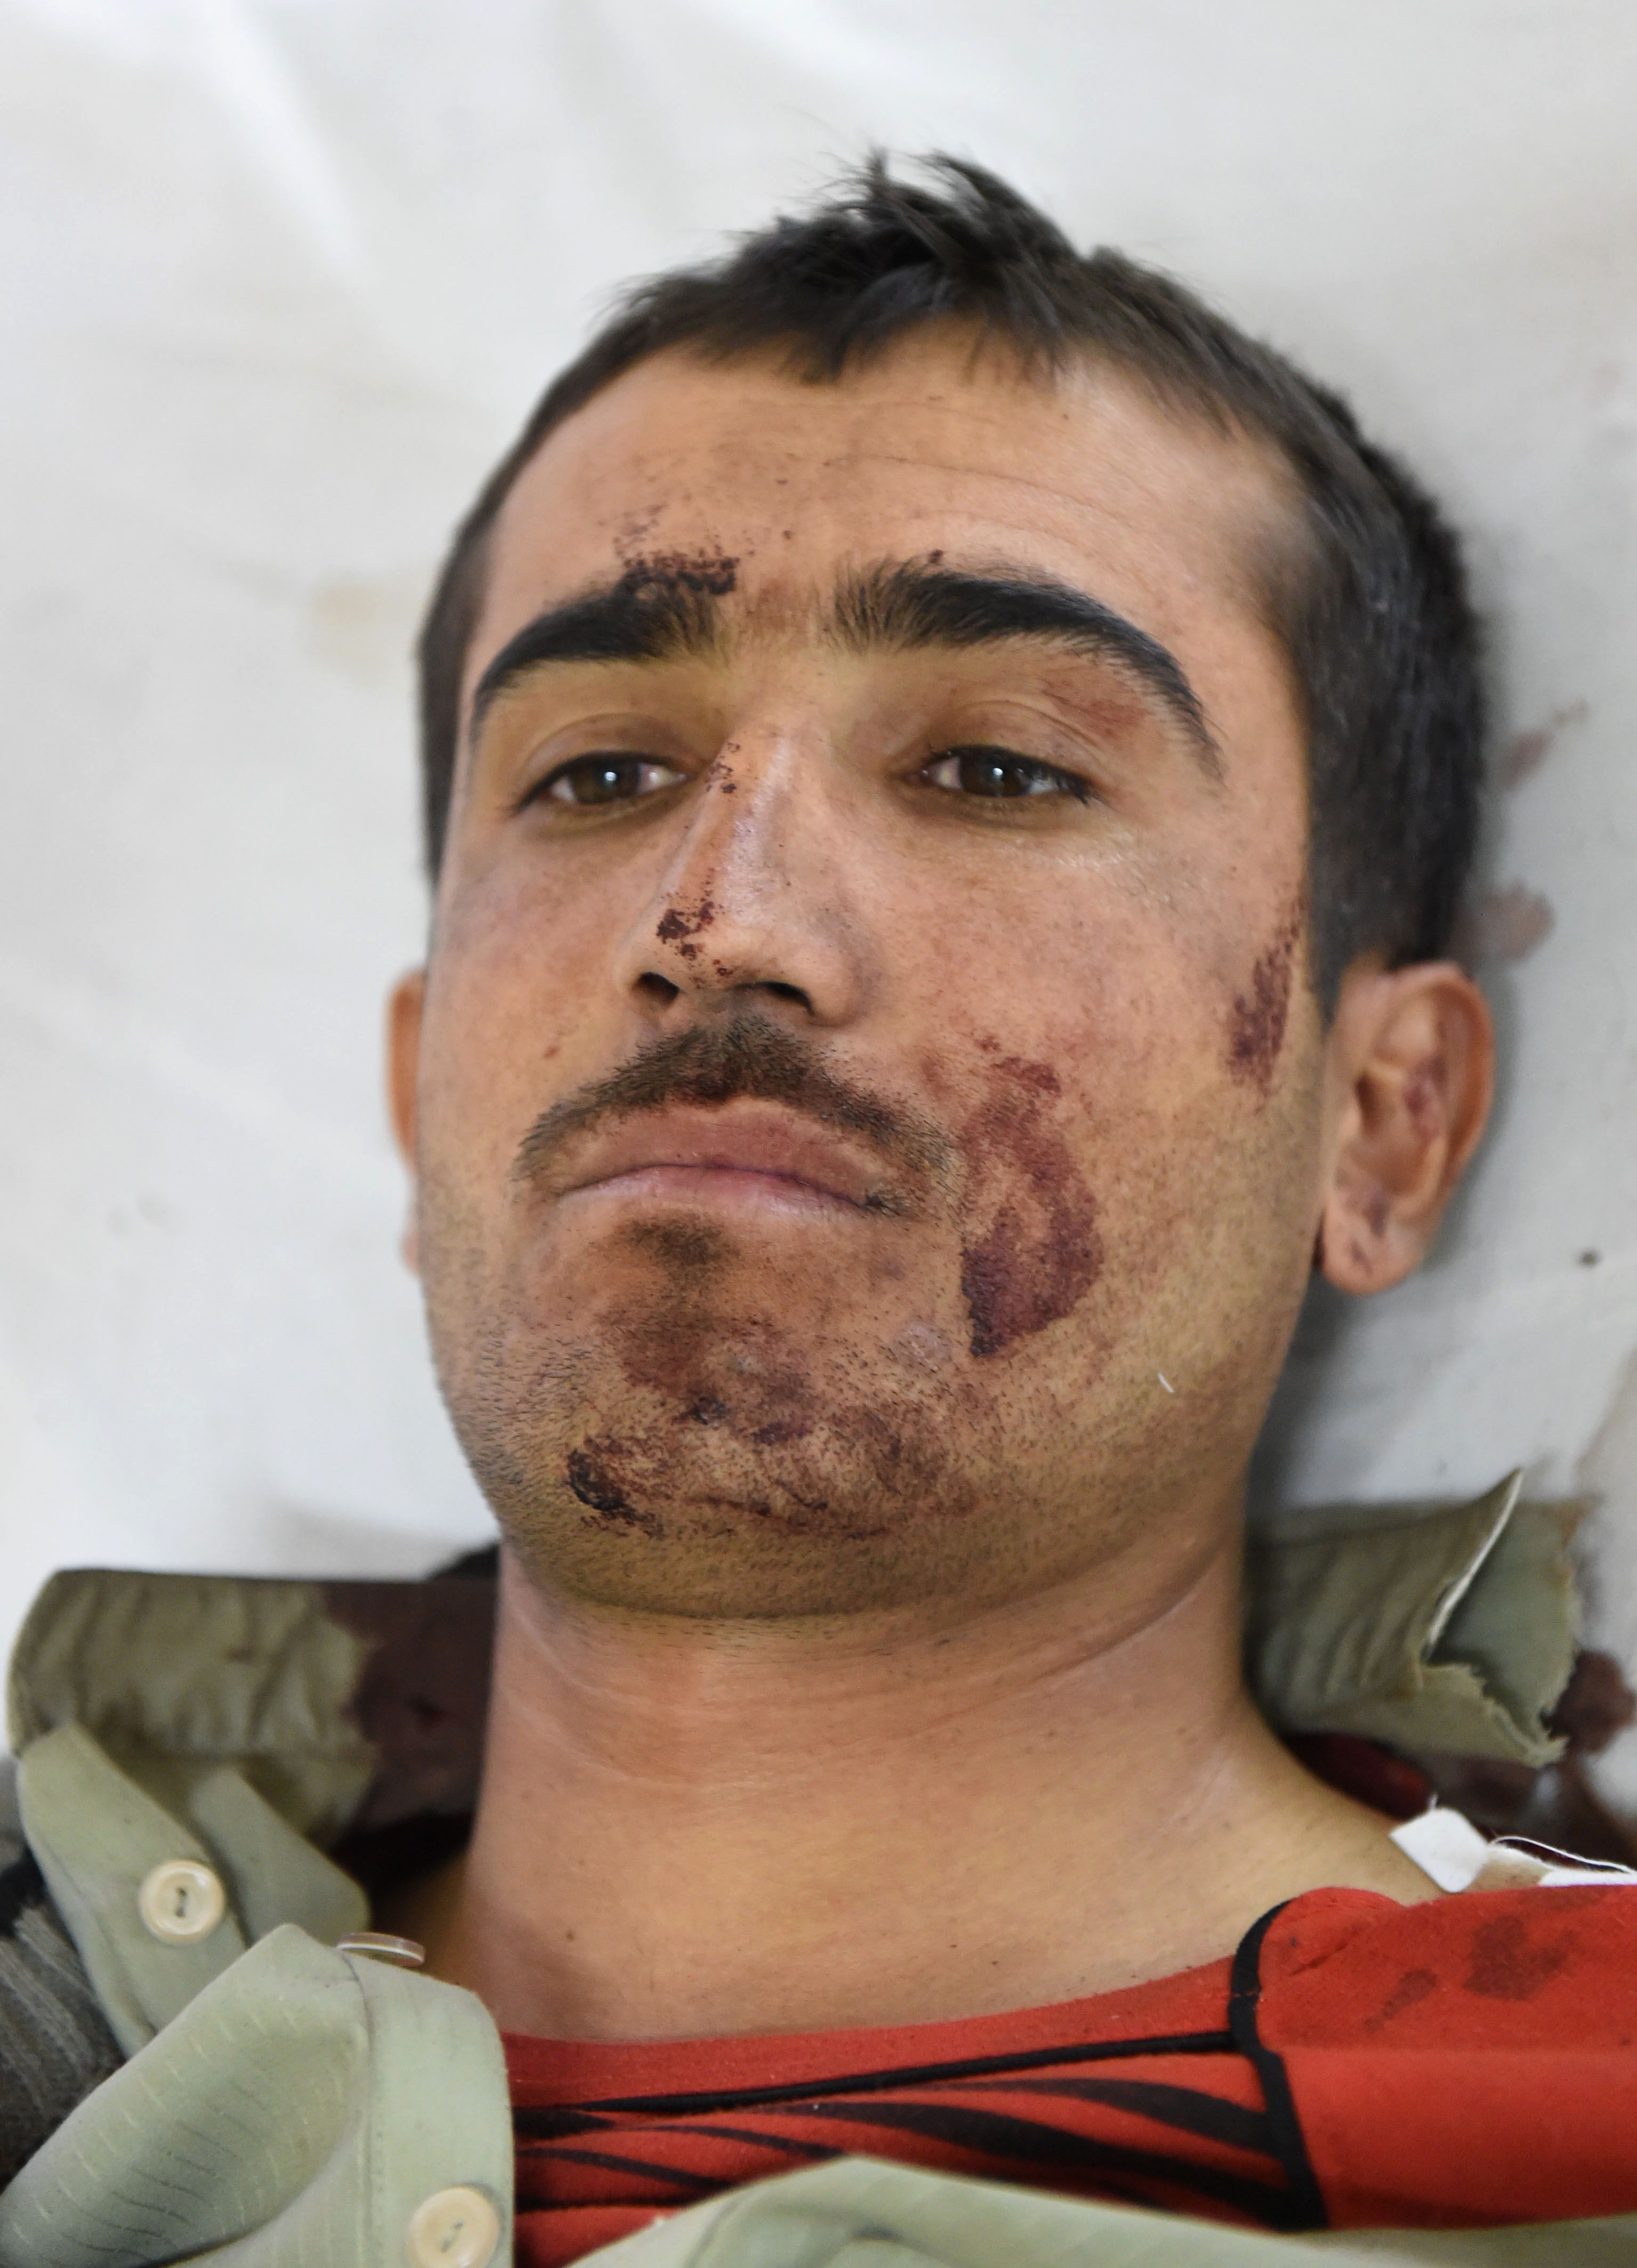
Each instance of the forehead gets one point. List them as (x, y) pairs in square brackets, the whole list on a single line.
[(741, 469)]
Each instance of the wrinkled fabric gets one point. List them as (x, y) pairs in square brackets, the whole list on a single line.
[(96, 1835), (55, 2043), (293, 2116), (859, 2213), (354, 1706), (1448, 1628)]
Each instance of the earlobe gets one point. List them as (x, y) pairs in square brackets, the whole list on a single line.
[(404, 1009), (1412, 1074)]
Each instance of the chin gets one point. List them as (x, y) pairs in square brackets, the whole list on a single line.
[(682, 1516)]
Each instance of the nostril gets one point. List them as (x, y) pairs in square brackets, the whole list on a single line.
[(787, 992), (658, 990)]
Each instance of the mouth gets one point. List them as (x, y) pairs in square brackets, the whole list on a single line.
[(740, 1157)]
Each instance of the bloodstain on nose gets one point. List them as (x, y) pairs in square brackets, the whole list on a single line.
[(1255, 1023), (1041, 1252), (679, 927)]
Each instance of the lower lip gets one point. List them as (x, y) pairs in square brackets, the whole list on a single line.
[(727, 1189)]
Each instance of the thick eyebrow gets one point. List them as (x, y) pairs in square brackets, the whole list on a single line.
[(914, 604), (640, 618), (892, 607)]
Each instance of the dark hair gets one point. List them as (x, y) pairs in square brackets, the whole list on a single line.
[(1370, 597)]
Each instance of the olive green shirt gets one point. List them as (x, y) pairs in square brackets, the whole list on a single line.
[(197, 2065)]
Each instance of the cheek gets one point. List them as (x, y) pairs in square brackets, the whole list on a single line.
[(510, 983), (1033, 1247), (1118, 1003), (1109, 1095), (1085, 1139)]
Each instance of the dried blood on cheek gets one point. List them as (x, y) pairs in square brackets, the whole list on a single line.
[(1256, 1020), (1041, 1252)]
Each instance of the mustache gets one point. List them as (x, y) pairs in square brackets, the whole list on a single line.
[(751, 1055)]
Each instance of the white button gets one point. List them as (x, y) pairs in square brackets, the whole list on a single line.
[(455, 2228), (182, 1901)]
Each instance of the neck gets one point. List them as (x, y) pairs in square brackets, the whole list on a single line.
[(689, 1828)]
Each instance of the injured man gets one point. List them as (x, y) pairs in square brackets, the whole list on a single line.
[(948, 772)]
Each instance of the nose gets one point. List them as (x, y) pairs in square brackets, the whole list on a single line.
[(754, 899)]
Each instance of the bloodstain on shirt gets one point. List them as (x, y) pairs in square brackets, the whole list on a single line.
[(1463, 2063)]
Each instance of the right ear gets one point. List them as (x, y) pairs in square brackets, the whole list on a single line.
[(403, 1066)]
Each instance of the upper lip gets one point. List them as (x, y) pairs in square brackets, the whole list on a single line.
[(743, 1137)]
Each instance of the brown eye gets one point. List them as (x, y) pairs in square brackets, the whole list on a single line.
[(589, 781), (997, 772)]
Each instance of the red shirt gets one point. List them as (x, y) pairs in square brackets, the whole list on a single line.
[(1357, 2064)]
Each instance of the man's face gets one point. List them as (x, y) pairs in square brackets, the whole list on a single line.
[(869, 1095)]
